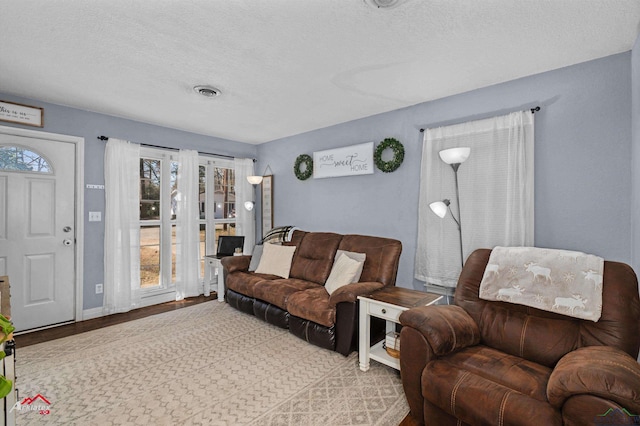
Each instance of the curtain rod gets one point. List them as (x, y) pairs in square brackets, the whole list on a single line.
[(533, 111), (106, 138)]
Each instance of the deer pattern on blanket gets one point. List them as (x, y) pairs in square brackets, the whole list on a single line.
[(561, 281)]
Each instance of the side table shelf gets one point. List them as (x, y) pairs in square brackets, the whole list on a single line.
[(387, 303), (378, 353)]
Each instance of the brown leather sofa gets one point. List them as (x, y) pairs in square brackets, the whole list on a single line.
[(494, 363), (300, 303)]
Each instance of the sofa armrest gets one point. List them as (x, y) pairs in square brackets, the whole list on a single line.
[(350, 292), (602, 371), (447, 328), (236, 263)]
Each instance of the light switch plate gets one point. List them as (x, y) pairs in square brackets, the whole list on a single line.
[(95, 216)]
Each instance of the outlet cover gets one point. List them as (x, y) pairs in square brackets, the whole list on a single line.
[(98, 288)]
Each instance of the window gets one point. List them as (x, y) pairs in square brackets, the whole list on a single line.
[(158, 188), (496, 194), (17, 158), (221, 220), (155, 171)]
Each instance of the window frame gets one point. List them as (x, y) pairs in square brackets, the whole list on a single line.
[(166, 282), (164, 222), (210, 220)]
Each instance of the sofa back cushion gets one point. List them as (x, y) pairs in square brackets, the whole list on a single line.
[(544, 337), (314, 255), (383, 256), (296, 238)]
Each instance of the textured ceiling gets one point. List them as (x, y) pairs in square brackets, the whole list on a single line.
[(289, 66)]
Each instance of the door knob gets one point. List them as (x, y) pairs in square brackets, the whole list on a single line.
[(67, 242)]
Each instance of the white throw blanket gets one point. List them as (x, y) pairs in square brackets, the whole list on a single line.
[(561, 281)]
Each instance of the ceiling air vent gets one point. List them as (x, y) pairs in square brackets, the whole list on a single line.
[(207, 91), (384, 4)]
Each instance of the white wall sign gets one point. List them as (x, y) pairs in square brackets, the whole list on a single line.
[(22, 114), (347, 161)]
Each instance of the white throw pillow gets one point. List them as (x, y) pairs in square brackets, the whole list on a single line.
[(276, 260), (360, 257), (343, 271)]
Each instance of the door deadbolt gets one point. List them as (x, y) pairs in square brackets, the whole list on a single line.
[(67, 229)]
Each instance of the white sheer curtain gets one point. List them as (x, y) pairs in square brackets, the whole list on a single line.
[(122, 228), (245, 220), (187, 226), (496, 193)]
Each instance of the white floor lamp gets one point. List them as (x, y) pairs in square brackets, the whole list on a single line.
[(454, 157)]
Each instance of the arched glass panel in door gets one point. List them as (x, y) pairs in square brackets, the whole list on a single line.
[(21, 159)]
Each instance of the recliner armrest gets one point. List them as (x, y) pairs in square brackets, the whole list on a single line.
[(350, 292), (447, 328), (236, 263), (603, 371)]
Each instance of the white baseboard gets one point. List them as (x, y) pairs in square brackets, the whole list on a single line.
[(92, 313), (156, 299), (148, 300)]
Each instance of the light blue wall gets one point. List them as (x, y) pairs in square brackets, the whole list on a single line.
[(89, 125), (635, 114), (584, 190), (583, 166)]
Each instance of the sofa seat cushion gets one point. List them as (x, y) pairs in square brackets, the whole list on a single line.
[(313, 305), (481, 385), (278, 291), (244, 282)]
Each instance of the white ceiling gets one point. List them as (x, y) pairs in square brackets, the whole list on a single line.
[(289, 66)]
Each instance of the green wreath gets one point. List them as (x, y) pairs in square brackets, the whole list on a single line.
[(308, 171), (398, 155)]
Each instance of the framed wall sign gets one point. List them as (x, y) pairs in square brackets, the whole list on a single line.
[(267, 204), (347, 161), (21, 114)]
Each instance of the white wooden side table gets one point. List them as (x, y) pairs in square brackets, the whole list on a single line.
[(215, 275), (387, 303)]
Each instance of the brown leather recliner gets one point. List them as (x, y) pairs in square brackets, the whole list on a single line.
[(480, 362)]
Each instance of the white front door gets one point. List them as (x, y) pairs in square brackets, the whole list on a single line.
[(37, 229)]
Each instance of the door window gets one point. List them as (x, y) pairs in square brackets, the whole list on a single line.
[(20, 159)]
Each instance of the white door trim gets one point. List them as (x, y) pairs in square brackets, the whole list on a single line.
[(79, 190)]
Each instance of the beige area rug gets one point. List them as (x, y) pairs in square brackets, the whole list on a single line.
[(203, 365)]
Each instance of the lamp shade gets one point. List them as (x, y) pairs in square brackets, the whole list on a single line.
[(249, 205), (455, 155), (439, 208), (254, 180)]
